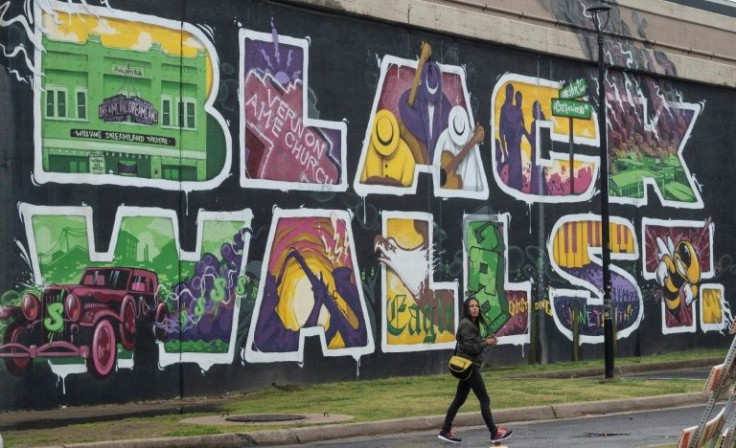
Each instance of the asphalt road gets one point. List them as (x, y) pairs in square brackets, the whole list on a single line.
[(691, 373), (640, 429)]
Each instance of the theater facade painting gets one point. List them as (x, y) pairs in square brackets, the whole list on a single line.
[(126, 99)]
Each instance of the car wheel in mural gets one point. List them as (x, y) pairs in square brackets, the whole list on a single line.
[(421, 122), (281, 146), (417, 312), (505, 305), (310, 287), (574, 248), (190, 302), (15, 341), (525, 163), (85, 319), (102, 357), (125, 99)]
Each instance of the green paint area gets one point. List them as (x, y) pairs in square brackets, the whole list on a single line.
[(143, 242), (215, 346), (486, 248), (128, 113), (628, 174)]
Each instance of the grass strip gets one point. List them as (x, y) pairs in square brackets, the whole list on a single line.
[(397, 397)]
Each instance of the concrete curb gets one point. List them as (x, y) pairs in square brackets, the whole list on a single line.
[(395, 426)]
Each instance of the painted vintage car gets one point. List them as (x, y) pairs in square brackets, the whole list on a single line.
[(86, 320)]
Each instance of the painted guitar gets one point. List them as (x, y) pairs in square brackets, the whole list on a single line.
[(448, 162)]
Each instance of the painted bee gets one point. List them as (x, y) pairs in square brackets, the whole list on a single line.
[(678, 273)]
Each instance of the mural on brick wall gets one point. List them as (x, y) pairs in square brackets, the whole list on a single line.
[(140, 242), (83, 309), (309, 287), (281, 147), (421, 122), (417, 312), (506, 305), (574, 249), (125, 99)]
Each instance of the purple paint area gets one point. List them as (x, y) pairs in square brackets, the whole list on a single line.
[(624, 298), (268, 58), (426, 126), (515, 326), (511, 128), (334, 136), (272, 336), (203, 305)]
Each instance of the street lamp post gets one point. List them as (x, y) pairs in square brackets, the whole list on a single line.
[(597, 12)]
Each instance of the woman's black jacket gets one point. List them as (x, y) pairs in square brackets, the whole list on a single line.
[(469, 343)]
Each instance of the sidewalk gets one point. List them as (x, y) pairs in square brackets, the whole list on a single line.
[(66, 416)]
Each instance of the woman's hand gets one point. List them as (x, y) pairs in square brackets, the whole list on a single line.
[(491, 340)]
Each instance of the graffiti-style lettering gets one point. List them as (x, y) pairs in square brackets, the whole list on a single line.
[(421, 122), (218, 293), (240, 288), (573, 250), (678, 255), (646, 143), (427, 322), (75, 144), (504, 304), (397, 306), (425, 318), (309, 288), (281, 147), (715, 313), (520, 114), (55, 321), (194, 291), (199, 308)]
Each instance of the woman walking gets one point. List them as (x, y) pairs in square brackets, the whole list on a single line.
[(470, 345)]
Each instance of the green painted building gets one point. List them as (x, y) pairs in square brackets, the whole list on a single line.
[(123, 112), (667, 173)]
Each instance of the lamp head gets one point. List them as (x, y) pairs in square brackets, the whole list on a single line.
[(597, 10)]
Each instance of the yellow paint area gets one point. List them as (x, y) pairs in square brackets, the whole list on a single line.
[(573, 240), (124, 34), (414, 321), (405, 233), (389, 161), (712, 306), (296, 297), (544, 94)]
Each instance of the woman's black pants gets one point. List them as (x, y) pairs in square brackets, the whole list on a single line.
[(476, 383)]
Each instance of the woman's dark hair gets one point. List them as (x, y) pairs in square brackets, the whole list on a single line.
[(466, 312)]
